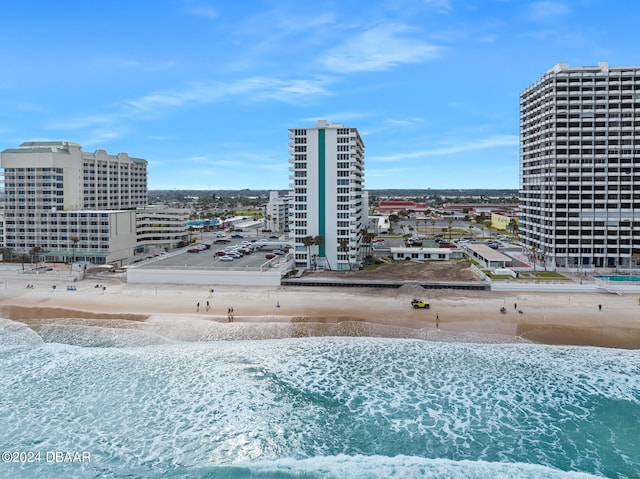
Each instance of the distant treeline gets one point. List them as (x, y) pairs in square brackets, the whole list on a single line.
[(385, 193)]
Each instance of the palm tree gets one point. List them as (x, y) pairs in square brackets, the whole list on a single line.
[(6, 253), (344, 247), (450, 222), (74, 242), (23, 258), (513, 226), (393, 219), (364, 233), (433, 227), (35, 253), (368, 238), (317, 241), (534, 252), (308, 242)]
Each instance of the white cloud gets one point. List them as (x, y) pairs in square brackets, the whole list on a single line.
[(336, 117), (78, 122), (547, 10), (252, 89), (103, 135), (442, 6), (204, 11), (133, 65), (379, 48), (390, 124), (31, 107), (491, 142), (294, 91)]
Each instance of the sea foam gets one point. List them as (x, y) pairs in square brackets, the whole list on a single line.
[(322, 404)]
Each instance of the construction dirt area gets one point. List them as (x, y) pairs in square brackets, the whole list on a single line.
[(448, 271)]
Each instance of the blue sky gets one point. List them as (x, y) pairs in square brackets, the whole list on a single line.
[(206, 90)]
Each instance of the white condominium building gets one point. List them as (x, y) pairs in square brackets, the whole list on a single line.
[(327, 178), (580, 166), (276, 212), (72, 205)]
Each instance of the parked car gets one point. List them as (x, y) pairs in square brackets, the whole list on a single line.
[(193, 250), (270, 255), (226, 258), (273, 237), (222, 240), (237, 235), (220, 253)]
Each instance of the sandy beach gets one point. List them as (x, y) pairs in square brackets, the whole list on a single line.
[(598, 319)]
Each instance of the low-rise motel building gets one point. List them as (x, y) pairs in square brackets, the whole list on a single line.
[(425, 254), (504, 222)]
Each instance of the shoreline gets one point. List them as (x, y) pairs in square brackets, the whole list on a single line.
[(600, 319)]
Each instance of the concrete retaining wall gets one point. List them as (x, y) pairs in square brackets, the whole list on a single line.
[(226, 277)]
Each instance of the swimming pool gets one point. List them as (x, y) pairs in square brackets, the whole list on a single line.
[(632, 279)]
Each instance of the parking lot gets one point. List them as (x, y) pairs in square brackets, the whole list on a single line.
[(207, 259)]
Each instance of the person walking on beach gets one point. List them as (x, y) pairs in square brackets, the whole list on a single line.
[(599, 307), (197, 307), (207, 305), (437, 321)]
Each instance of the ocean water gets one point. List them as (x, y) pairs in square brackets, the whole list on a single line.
[(215, 405)]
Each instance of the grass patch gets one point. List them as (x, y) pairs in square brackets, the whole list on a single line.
[(550, 274), (499, 277), (256, 214), (528, 276)]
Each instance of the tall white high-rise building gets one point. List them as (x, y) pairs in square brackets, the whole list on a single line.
[(327, 178), (580, 166), (71, 204)]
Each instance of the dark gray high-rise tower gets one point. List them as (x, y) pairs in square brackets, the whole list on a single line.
[(580, 167)]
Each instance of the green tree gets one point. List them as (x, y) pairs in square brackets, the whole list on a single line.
[(307, 241)]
